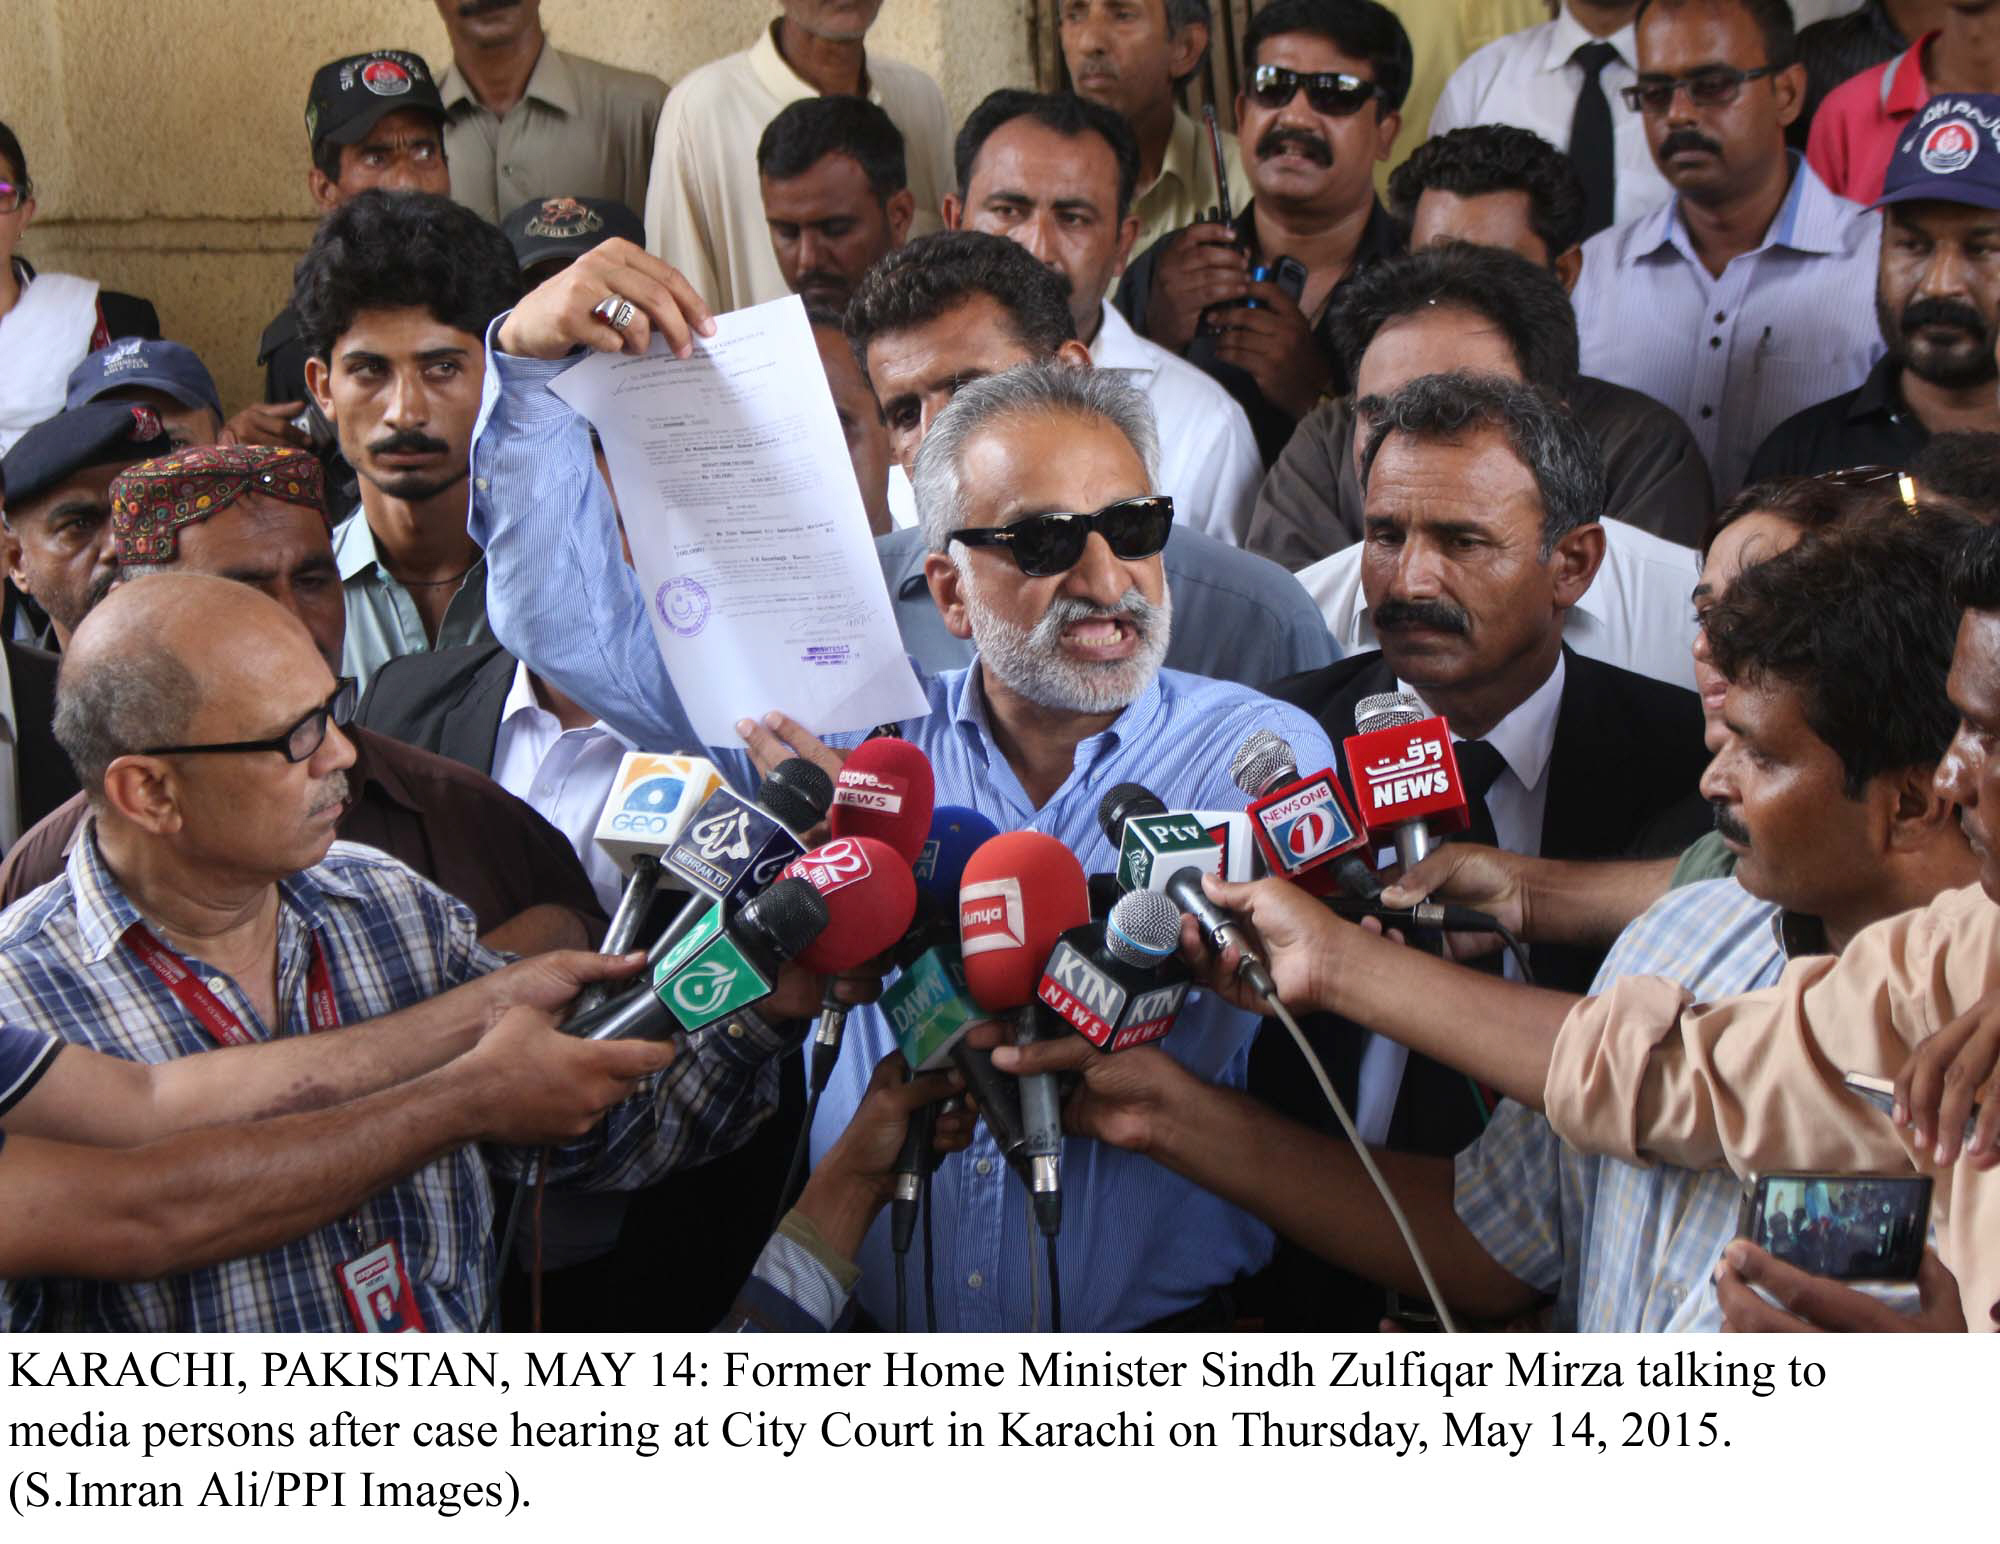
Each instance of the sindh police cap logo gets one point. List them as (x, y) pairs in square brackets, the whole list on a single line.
[(385, 77), (564, 219), (1949, 147)]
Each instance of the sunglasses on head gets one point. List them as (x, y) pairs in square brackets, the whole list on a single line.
[(1716, 86), (1044, 545), (1330, 92)]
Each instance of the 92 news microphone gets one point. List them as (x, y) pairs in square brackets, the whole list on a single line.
[(1021, 892), (1154, 843), (1119, 983), (1405, 774), (724, 964), (1302, 825)]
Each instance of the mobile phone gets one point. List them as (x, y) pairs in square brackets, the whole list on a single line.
[(1850, 1227), (1881, 1093)]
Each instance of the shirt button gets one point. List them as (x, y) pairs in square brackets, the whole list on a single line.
[(479, 483), (975, 1281), (735, 1029), (1707, 412), (1715, 343), (216, 984), (984, 1166), (1720, 318)]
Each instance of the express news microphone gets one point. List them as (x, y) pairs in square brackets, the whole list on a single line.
[(1021, 892), (725, 963), (1120, 982), (1302, 826), (1155, 843), (1405, 775)]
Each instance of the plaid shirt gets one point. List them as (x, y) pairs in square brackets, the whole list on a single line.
[(391, 940), (1624, 1247)]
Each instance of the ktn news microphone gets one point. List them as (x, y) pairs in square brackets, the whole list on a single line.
[(1020, 893), (1405, 775), (1303, 826), (1119, 982)]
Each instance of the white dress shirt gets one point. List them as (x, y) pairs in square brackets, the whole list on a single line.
[(566, 774), (1208, 456), (1636, 614), (10, 751), (1526, 740), (1528, 80)]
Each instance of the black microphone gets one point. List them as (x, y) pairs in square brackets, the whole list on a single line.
[(1435, 914), (1118, 982)]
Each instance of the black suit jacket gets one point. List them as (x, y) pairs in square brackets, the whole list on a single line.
[(43, 775), (447, 701)]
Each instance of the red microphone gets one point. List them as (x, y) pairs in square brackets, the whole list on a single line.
[(870, 894), (885, 791), (1405, 775), (1303, 826), (1021, 892)]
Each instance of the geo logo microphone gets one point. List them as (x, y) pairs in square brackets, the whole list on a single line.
[(651, 801)]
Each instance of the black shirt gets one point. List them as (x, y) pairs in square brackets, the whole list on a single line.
[(1381, 237), (1838, 49), (282, 353), (1868, 426)]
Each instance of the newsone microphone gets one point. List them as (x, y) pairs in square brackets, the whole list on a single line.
[(1020, 893), (1405, 775), (1119, 982), (1303, 826), (1154, 843), (724, 964)]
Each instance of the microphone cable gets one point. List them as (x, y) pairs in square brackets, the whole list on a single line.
[(1055, 1286), (930, 1259)]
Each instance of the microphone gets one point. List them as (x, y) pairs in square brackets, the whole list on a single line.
[(1405, 775), (1437, 914), (725, 963), (1020, 893), (1231, 831), (1302, 826), (1119, 983), (878, 898), (1153, 842)]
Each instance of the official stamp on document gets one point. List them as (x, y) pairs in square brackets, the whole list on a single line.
[(683, 606)]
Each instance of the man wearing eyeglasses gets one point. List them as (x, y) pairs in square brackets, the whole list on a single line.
[(1747, 296), (1036, 490), (1324, 82)]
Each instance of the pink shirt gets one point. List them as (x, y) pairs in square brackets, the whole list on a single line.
[(1854, 132)]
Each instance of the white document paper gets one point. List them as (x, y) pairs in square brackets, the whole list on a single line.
[(747, 528)]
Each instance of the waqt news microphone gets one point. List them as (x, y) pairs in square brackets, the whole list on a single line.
[(1020, 893), (1302, 826), (1119, 982), (1405, 774)]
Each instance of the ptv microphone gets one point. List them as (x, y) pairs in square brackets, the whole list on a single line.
[(1302, 825), (723, 965), (1153, 842), (1405, 775), (1119, 983), (1021, 892)]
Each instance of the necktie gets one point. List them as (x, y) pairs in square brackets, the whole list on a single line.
[(1590, 149), (1479, 766)]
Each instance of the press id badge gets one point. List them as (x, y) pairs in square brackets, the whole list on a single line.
[(378, 1293)]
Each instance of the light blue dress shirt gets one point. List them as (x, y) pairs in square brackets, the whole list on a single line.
[(1138, 1242)]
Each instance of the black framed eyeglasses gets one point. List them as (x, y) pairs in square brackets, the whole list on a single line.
[(1331, 92), (1877, 477), (13, 194), (1716, 86), (1044, 545), (297, 743)]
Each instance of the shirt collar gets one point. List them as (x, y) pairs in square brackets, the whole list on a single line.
[(354, 546), (1117, 346), (785, 83), (1178, 164), (1880, 394), (1526, 738), (1566, 35), (551, 82), (1904, 88), (520, 695), (1808, 220), (967, 701)]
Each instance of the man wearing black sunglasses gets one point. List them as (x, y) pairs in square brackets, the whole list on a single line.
[(1323, 87)]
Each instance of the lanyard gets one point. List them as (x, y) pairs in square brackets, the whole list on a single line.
[(211, 1012)]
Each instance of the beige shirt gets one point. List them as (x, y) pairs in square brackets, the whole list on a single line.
[(1185, 191), (1645, 1075), (704, 209), (581, 130), (1443, 33)]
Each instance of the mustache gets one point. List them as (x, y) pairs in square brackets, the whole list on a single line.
[(1728, 825), (1688, 139), (482, 7), (99, 589), (335, 794), (1279, 138), (1944, 313), (1132, 607), (1442, 615), (408, 442)]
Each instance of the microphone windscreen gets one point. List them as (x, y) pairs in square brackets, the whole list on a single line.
[(956, 834), (870, 897), (1263, 762), (1143, 929), (791, 914), (797, 792), (885, 791), (1121, 804), (1387, 710), (1020, 893)]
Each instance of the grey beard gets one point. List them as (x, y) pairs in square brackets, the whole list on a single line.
[(1031, 662)]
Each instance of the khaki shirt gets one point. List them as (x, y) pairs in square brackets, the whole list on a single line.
[(1645, 1074), (581, 130), (1442, 33), (1185, 190), (704, 208)]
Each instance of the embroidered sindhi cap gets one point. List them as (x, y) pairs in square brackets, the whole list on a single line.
[(1950, 152), (153, 500), (349, 95)]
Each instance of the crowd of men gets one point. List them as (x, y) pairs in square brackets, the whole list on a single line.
[(1625, 387)]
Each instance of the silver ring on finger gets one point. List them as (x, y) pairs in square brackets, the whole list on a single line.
[(616, 310)]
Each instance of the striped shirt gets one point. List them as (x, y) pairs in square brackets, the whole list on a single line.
[(1138, 1243), (1787, 325), (1624, 1247), (390, 940)]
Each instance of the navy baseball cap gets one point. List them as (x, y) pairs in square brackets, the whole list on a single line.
[(547, 228), (1949, 152), (349, 96), (96, 434), (173, 368)]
